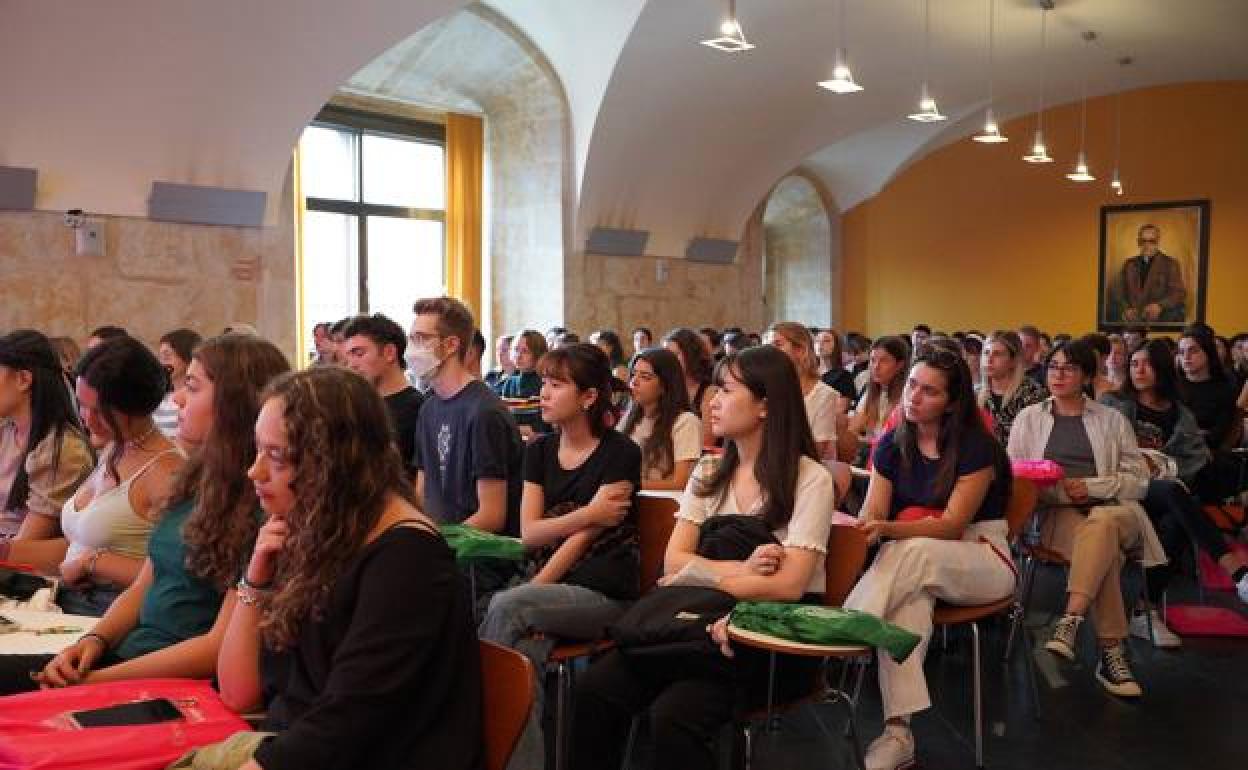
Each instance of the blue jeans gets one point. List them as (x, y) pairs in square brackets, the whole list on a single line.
[(554, 610)]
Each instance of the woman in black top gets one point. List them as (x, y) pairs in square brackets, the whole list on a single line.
[(353, 626), (1207, 390)]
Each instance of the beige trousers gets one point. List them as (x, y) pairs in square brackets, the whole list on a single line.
[(1095, 543), (902, 586)]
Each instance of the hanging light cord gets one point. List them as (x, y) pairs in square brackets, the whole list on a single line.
[(1044, 18)]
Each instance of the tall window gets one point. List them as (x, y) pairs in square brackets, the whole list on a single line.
[(375, 213)]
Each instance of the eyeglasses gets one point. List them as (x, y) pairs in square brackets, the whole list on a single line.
[(1063, 369), (420, 339)]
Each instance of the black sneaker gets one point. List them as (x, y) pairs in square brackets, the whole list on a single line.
[(1114, 674)]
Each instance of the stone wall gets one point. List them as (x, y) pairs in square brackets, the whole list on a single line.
[(801, 246), (153, 277)]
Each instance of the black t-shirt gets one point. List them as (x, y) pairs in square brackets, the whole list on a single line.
[(1153, 429), (404, 408), (611, 565), (1213, 403), (841, 381), (459, 440), (915, 486), (389, 677)]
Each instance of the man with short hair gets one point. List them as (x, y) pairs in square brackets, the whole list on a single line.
[(374, 348), (102, 334), (1030, 337), (919, 335), (469, 456), (1150, 285)]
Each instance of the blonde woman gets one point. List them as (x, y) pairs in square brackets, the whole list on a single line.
[(1006, 389)]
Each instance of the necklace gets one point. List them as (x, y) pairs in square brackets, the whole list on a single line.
[(137, 443)]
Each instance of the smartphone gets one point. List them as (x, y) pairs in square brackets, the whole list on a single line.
[(142, 712)]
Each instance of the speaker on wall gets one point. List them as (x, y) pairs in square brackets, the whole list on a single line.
[(17, 188), (716, 251), (617, 243), (171, 202)]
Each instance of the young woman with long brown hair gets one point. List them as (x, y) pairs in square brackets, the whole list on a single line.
[(659, 420), (352, 617), (171, 619)]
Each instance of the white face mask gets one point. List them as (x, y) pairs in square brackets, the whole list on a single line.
[(423, 363)]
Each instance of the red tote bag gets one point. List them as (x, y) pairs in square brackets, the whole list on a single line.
[(36, 734)]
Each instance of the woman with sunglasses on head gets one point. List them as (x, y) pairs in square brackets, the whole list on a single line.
[(769, 470), (943, 460), (1093, 517), (44, 454), (171, 619), (659, 420), (353, 624)]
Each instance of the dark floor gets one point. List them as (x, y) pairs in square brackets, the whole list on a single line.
[(1192, 715)]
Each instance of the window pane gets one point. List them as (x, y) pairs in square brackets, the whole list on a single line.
[(399, 172), (327, 163), (404, 264), (331, 275)]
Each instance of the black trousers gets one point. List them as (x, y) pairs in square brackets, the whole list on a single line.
[(1177, 517)]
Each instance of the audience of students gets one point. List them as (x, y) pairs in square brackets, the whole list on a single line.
[(659, 420), (770, 469)]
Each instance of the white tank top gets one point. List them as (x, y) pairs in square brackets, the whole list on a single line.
[(109, 521)]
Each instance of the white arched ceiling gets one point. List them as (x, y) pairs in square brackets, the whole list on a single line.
[(104, 98), (688, 140)]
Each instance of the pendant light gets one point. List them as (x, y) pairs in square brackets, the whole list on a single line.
[(928, 111), (1081, 172), (731, 37), (842, 81), (992, 132), (1039, 151), (1115, 184)]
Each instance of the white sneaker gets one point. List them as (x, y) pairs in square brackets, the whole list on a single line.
[(1161, 637), (1241, 588), (893, 750)]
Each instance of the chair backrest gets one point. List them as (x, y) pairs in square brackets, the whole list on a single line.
[(656, 518), (507, 692), (1023, 496), (847, 553)]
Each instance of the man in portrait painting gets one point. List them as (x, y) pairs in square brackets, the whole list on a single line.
[(1150, 285)]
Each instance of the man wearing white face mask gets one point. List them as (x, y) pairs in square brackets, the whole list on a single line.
[(468, 453)]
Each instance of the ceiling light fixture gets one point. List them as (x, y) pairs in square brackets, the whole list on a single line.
[(842, 81), (731, 37), (928, 111), (1080, 172), (1039, 152), (992, 132), (1115, 184)]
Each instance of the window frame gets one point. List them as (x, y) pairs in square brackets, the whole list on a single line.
[(361, 123)]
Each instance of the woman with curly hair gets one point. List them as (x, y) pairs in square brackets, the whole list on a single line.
[(353, 621), (171, 620)]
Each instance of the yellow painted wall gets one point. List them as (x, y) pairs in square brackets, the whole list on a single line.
[(972, 237)]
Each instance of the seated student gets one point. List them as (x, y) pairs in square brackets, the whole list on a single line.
[(1103, 348), (68, 351), (502, 356), (610, 344), (468, 454), (823, 404), (695, 361), (170, 621), (1006, 389), (857, 359), (643, 339), (1149, 400), (973, 355), (1036, 346), (524, 383), (659, 420), (769, 469), (352, 625), (44, 454), (107, 521), (941, 456), (734, 342), (1116, 361), (580, 493), (1205, 388), (101, 334), (375, 348), (474, 354), (174, 354), (1093, 517), (887, 367)]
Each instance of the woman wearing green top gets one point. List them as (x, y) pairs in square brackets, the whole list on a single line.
[(170, 621)]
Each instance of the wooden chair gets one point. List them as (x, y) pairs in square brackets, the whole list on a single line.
[(507, 692), (1021, 505), (656, 518), (847, 554)]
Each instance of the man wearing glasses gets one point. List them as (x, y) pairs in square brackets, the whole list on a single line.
[(1150, 287)]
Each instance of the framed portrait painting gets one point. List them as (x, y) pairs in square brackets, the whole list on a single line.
[(1153, 265)]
